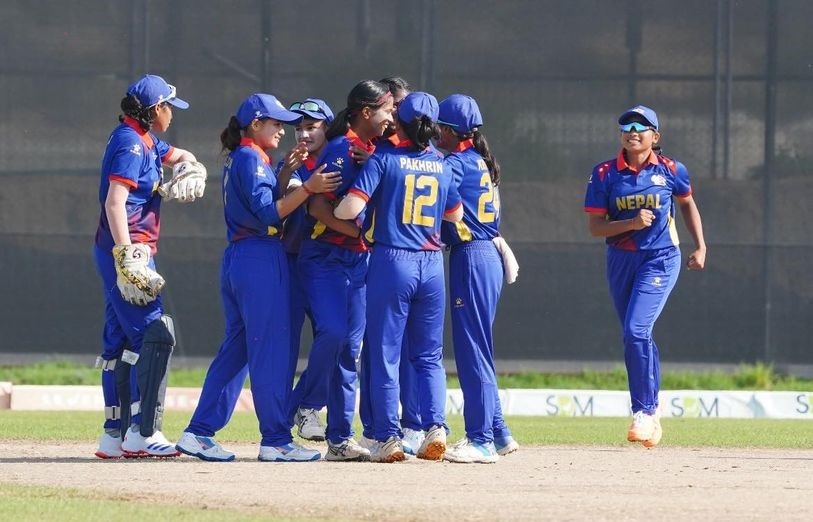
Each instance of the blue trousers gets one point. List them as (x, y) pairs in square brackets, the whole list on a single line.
[(640, 284), (255, 292), (317, 395), (475, 284), (405, 293), (334, 281), (124, 326)]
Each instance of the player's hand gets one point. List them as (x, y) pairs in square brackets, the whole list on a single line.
[(358, 154), (138, 283), (187, 184), (295, 157), (323, 181), (643, 220), (697, 259)]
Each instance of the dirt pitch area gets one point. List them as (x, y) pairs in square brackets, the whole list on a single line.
[(537, 483)]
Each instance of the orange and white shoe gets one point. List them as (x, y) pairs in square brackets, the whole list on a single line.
[(657, 432), (642, 427)]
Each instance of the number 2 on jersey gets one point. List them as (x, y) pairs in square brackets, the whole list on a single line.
[(413, 207), (489, 196)]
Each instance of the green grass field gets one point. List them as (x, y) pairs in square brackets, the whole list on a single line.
[(746, 377), (727, 433)]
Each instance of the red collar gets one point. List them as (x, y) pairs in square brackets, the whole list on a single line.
[(145, 136), (248, 142), (310, 163), (464, 145), (355, 140), (621, 161)]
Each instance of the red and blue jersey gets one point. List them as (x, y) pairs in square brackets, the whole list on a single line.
[(337, 157), (295, 227), (481, 199), (619, 192), (250, 193), (133, 157), (412, 191)]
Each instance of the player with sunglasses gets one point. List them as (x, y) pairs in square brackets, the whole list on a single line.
[(309, 395), (631, 202)]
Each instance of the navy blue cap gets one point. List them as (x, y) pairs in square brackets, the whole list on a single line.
[(642, 111), (259, 106), (313, 108), (152, 89), (461, 113), (417, 105)]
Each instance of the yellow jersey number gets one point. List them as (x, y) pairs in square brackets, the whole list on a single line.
[(413, 207), (489, 196)]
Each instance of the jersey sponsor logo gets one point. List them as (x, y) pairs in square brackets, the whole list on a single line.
[(434, 167), (656, 281), (657, 179), (260, 171), (634, 201), (458, 302), (338, 163), (136, 149)]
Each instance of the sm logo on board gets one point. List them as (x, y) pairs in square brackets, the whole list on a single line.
[(695, 407), (569, 406)]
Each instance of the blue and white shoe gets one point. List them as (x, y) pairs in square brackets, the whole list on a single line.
[(204, 448), (290, 452), (505, 445), (412, 440), (156, 445), (467, 452)]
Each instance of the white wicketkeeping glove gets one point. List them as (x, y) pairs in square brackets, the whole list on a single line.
[(187, 183), (509, 262), (138, 283)]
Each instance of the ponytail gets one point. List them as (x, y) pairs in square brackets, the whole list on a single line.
[(231, 135), (132, 108), (420, 131), (339, 125), (481, 146)]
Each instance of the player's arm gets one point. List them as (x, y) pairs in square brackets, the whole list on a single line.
[(688, 209), (176, 156), (321, 208), (292, 161), (318, 183), (350, 207), (600, 226), (116, 210), (188, 177)]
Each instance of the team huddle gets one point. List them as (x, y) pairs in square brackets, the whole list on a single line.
[(347, 229)]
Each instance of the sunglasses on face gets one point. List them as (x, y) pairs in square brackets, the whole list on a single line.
[(306, 106), (635, 127)]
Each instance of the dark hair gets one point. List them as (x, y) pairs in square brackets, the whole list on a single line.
[(131, 107), (481, 146), (366, 93), (396, 84), (230, 137), (420, 131)]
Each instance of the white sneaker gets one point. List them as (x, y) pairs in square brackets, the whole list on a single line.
[(412, 440), (308, 424), (109, 447), (290, 452), (346, 451), (505, 445), (467, 452), (642, 427), (391, 450), (204, 448), (156, 445), (434, 445), (368, 444)]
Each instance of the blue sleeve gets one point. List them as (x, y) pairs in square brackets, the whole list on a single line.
[(127, 161), (596, 200), (259, 188), (683, 186), (453, 199), (162, 148), (370, 177)]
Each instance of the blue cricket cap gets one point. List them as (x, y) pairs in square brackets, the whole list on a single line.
[(151, 90), (313, 108), (417, 105), (642, 111), (259, 106), (461, 113)]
